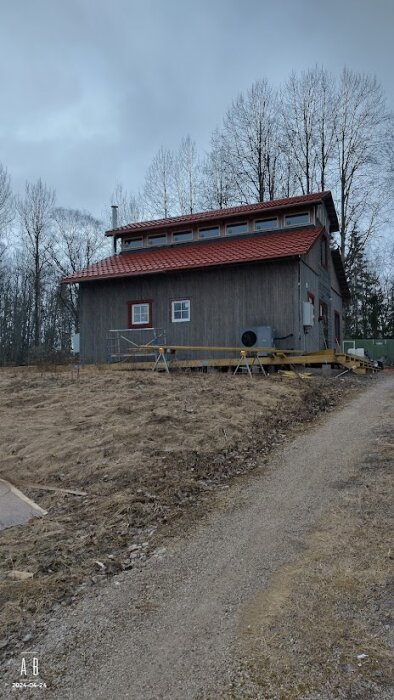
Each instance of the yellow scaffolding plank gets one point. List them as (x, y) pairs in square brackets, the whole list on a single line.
[(275, 358)]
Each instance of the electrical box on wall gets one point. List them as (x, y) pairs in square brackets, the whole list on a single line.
[(308, 314)]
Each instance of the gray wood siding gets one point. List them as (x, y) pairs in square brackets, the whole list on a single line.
[(309, 282), (325, 288), (223, 301)]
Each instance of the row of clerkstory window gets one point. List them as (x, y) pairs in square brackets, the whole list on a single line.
[(140, 312), (290, 220)]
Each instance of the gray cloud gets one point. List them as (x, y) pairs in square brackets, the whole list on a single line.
[(91, 89)]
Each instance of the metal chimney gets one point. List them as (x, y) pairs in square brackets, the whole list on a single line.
[(114, 208)]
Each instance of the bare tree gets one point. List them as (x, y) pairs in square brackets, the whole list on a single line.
[(217, 186), (6, 200), (35, 211), (159, 184), (250, 146), (361, 122), (129, 206), (325, 125), (77, 242), (300, 114), (388, 161), (187, 173)]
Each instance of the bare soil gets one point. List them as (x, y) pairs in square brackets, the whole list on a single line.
[(280, 591), (150, 451)]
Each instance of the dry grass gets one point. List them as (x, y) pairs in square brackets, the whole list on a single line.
[(148, 450), (304, 635)]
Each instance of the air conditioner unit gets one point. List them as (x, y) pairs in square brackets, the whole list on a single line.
[(257, 336)]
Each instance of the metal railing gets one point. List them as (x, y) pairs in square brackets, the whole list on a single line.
[(126, 343)]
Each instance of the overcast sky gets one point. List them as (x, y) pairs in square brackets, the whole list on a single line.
[(90, 89)]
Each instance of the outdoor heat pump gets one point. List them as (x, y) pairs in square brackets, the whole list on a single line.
[(257, 336)]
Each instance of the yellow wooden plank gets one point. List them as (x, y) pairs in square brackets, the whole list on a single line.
[(217, 348)]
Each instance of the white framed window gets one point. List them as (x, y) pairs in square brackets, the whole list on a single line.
[(212, 232), (157, 240), (297, 219), (234, 229), (140, 314), (132, 243), (266, 224), (182, 236), (180, 310)]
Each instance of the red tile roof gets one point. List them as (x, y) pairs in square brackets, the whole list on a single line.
[(223, 251), (228, 213)]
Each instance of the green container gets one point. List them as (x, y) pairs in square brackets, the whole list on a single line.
[(377, 348)]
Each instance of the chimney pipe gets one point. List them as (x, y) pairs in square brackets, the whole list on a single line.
[(114, 208)]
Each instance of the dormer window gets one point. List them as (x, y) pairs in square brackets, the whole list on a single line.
[(182, 237), (157, 240), (205, 233), (234, 229), (132, 243), (266, 224), (297, 219)]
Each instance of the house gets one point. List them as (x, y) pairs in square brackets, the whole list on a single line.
[(208, 277)]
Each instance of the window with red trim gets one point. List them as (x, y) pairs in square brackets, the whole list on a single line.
[(140, 313)]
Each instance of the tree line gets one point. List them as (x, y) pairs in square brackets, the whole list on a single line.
[(315, 132)]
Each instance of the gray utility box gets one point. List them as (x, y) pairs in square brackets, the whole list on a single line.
[(257, 337)]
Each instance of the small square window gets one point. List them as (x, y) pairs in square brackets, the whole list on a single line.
[(180, 311), (140, 314)]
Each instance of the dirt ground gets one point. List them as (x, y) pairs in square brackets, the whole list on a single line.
[(148, 450), (281, 590), (325, 626)]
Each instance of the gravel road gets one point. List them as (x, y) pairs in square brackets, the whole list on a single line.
[(168, 629)]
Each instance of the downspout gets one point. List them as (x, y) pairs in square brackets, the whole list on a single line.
[(299, 303)]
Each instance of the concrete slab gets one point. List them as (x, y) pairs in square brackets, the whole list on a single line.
[(15, 507)]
